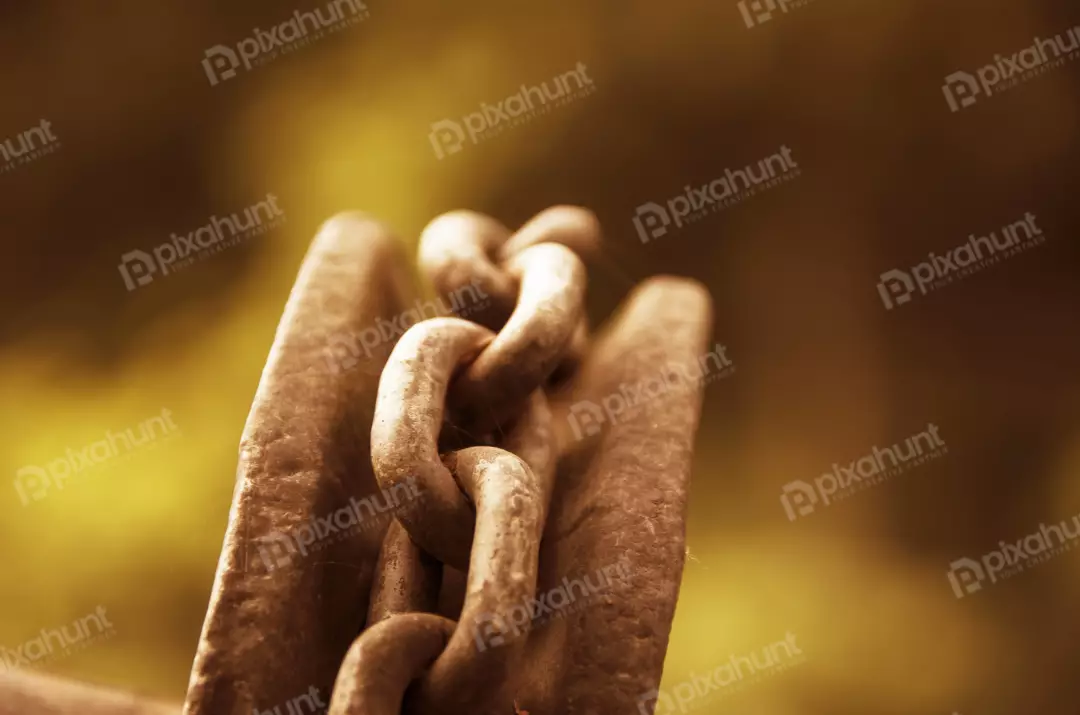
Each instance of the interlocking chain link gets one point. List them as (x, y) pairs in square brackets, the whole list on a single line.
[(511, 506), (531, 344), (382, 663), (462, 415)]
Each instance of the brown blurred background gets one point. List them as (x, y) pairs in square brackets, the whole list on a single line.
[(148, 147)]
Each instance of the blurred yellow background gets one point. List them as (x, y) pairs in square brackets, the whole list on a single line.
[(683, 91)]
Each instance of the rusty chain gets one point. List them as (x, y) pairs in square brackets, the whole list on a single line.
[(457, 428), (481, 509)]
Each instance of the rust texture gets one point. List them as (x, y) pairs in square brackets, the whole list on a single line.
[(620, 503)]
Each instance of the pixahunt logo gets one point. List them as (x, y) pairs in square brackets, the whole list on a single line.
[(587, 418), (309, 702), (757, 12), (34, 482), (963, 89), (344, 350), (968, 575), (733, 676), (495, 629), (654, 220), (279, 548), (800, 498), (896, 287), (222, 63), (28, 146), (138, 268), (448, 136), (59, 642)]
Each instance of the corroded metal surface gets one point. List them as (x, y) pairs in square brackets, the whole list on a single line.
[(624, 498), (285, 604)]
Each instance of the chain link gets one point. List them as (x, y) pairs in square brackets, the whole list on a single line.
[(407, 579), (381, 664), (511, 508), (531, 345)]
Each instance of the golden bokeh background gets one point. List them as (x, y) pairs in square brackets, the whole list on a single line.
[(683, 91)]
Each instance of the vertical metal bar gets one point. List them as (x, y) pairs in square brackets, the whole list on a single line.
[(283, 611), (621, 497)]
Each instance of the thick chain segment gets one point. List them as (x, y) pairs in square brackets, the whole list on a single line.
[(480, 661), (383, 661), (405, 431), (450, 384), (463, 247), (408, 420), (531, 344), (478, 665)]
